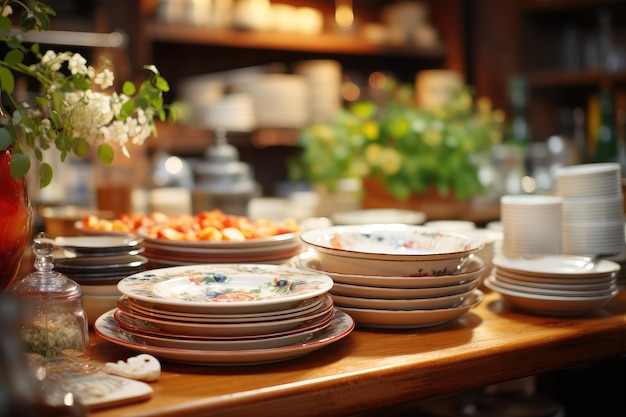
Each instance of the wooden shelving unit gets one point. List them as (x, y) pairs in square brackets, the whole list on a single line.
[(324, 43)]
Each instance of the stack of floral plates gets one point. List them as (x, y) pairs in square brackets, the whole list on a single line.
[(397, 302), (273, 250), (225, 314), (554, 284)]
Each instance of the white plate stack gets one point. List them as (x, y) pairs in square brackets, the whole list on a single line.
[(323, 77), (280, 100), (402, 302), (530, 224), (555, 285), (225, 314), (272, 250), (593, 209)]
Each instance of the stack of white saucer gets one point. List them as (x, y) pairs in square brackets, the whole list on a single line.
[(593, 209)]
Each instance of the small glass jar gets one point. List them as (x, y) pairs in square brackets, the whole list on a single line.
[(55, 323)]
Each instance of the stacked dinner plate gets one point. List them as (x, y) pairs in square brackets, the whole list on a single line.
[(397, 276), (274, 250), (593, 209), (402, 302), (98, 263), (225, 314), (554, 284)]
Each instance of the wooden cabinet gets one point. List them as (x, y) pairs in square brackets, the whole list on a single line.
[(182, 50), (569, 51)]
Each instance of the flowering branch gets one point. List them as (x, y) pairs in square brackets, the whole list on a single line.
[(74, 109)]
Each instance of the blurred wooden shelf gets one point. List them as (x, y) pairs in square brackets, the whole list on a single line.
[(324, 43)]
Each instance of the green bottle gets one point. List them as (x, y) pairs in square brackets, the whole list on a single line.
[(607, 148)]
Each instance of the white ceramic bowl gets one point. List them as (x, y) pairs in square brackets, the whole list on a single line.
[(472, 269), (391, 249)]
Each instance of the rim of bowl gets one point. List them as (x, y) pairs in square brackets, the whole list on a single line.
[(475, 242)]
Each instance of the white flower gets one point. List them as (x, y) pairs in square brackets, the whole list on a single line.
[(77, 65), (7, 11), (104, 78)]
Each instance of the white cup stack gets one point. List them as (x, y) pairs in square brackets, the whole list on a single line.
[(531, 224), (593, 204)]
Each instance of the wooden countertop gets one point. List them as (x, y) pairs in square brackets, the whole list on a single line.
[(369, 370)]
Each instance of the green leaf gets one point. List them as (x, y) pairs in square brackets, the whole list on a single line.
[(129, 88), (20, 164), (5, 138), (81, 83), (105, 153), (81, 147), (28, 21), (45, 175), (14, 57), (162, 84), (7, 80), (5, 23), (127, 109)]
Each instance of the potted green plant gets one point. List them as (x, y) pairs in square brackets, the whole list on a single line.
[(403, 148)]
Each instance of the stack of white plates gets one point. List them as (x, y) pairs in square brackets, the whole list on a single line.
[(593, 209), (554, 284), (98, 263), (280, 100), (275, 250), (225, 314), (379, 301), (323, 77), (530, 224)]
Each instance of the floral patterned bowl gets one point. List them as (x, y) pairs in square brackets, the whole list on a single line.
[(391, 249)]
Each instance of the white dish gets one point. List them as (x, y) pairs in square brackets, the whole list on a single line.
[(559, 292), (350, 290), (236, 344), (155, 325), (300, 308), (384, 216), (563, 285), (102, 264), (549, 305), (341, 325), (408, 319), (195, 251), (100, 244), (558, 279), (448, 301), (391, 249), (553, 265), (227, 288), (221, 244), (219, 331), (225, 256), (472, 269)]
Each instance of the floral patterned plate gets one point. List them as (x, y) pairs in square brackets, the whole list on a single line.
[(225, 288), (297, 309), (341, 326), (131, 321)]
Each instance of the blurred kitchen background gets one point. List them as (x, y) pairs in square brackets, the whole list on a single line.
[(254, 73)]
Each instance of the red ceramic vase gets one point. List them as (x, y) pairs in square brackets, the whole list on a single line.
[(15, 221)]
